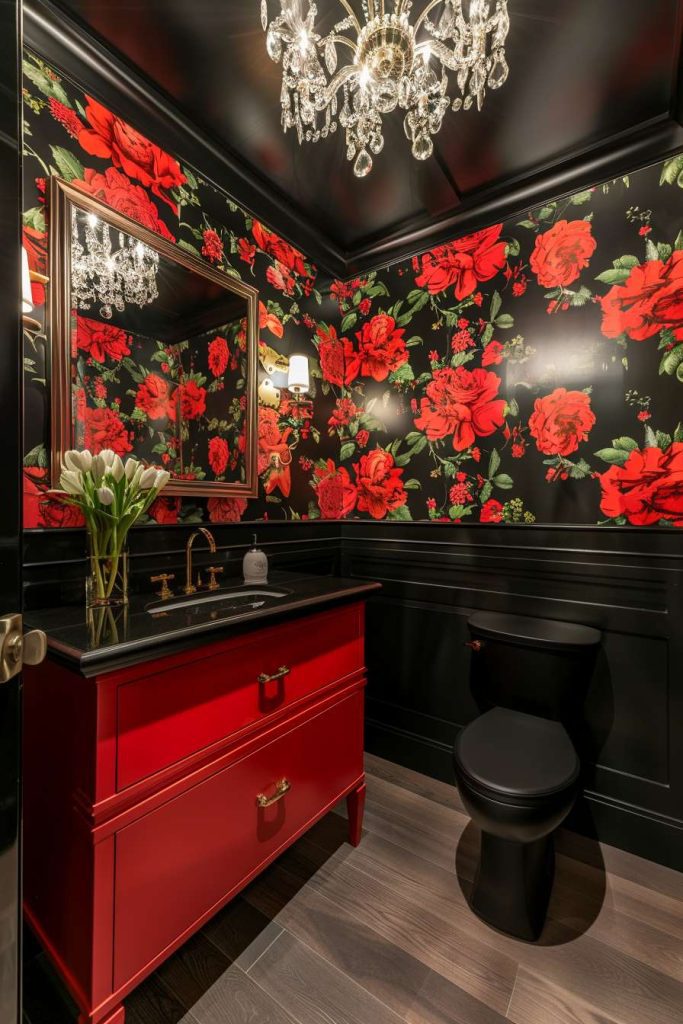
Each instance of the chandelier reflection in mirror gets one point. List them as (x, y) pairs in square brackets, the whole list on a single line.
[(109, 276), (393, 63)]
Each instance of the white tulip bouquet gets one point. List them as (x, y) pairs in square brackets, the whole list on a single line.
[(112, 495)]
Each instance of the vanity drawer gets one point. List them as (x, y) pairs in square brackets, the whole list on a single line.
[(178, 862), (168, 715)]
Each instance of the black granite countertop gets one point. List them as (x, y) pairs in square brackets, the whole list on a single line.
[(107, 639)]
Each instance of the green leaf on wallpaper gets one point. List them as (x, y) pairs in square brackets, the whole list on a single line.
[(678, 244), (313, 510), (417, 446), (617, 275), (460, 358), (419, 303), (580, 297), (504, 321), (403, 375), (671, 360), (613, 456), (526, 224), (36, 457), (579, 470), (503, 481), (546, 211), (457, 511), (625, 444), (581, 197), (191, 179), (626, 261), (679, 372), (496, 303), (494, 462), (348, 321), (402, 514), (188, 247), (663, 251), (378, 289), (513, 407), (413, 485), (513, 248), (415, 340), (486, 492), (68, 165), (487, 336), (663, 440), (347, 450), (678, 433), (651, 250), (34, 218), (671, 169), (48, 86), (650, 437)]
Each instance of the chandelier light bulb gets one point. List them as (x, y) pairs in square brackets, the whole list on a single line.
[(388, 51)]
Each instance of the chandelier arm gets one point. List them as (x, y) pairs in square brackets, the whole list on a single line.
[(430, 7), (449, 59), (340, 39), (351, 13), (335, 84)]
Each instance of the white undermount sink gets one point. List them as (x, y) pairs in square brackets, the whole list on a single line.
[(241, 599)]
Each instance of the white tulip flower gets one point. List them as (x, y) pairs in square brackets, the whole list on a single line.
[(71, 482), (108, 456), (72, 461), (117, 470), (86, 461), (106, 495), (98, 468), (130, 467), (148, 478), (162, 478)]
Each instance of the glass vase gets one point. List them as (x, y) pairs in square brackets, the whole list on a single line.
[(106, 584)]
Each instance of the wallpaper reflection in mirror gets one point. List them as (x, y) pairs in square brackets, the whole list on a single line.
[(181, 364)]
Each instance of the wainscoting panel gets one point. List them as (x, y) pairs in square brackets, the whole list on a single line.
[(627, 586)]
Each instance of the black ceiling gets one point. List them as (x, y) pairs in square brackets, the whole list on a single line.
[(593, 89)]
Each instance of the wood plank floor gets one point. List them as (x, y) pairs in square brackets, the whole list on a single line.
[(382, 934)]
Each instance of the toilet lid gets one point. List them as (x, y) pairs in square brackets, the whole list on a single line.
[(517, 754)]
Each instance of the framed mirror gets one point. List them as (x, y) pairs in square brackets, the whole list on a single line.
[(154, 353)]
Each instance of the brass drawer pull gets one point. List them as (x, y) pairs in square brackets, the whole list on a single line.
[(282, 787), (283, 671)]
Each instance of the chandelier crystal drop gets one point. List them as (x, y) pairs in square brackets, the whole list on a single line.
[(371, 63), (111, 277)]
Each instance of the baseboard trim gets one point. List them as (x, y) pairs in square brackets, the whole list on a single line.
[(634, 829)]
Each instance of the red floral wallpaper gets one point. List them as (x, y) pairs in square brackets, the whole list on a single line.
[(530, 372)]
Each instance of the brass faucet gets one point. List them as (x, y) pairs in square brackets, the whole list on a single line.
[(189, 587)]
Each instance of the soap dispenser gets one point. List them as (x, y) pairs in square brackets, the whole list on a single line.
[(255, 565)]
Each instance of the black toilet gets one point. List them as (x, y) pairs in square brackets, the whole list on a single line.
[(515, 765)]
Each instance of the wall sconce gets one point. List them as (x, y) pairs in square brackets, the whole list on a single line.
[(297, 377), (29, 322)]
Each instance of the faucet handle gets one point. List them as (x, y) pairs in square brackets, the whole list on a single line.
[(163, 578), (213, 571)]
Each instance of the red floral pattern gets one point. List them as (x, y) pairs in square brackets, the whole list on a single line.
[(561, 421), (650, 300), (381, 349), (561, 253), (102, 341), (464, 263), (462, 403), (119, 192), (647, 489), (379, 484)]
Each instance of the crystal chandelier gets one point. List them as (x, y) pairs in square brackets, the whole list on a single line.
[(112, 277), (391, 65)]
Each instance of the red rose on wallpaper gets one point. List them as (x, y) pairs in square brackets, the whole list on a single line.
[(104, 429), (192, 399), (334, 490), (463, 263), (381, 349), (278, 248), (491, 512), (332, 352), (154, 398), (462, 403), (102, 341), (40, 509), (649, 300), (113, 139), (379, 484), (647, 488), (219, 454), (493, 354), (165, 510), (67, 117), (212, 248), (560, 421), (219, 355), (226, 510), (270, 320), (281, 279), (246, 251), (35, 243), (561, 253), (344, 411), (117, 191)]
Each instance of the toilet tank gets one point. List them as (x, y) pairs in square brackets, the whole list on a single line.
[(541, 666)]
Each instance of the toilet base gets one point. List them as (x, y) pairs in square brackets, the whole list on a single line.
[(513, 884)]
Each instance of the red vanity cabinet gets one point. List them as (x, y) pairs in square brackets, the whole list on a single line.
[(154, 793)]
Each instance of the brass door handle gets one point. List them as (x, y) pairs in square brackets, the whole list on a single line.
[(283, 671), (282, 787), (18, 648)]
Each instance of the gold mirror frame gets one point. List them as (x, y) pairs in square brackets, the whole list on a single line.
[(62, 198)]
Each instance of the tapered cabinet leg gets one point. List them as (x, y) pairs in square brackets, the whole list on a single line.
[(355, 803), (116, 1016)]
